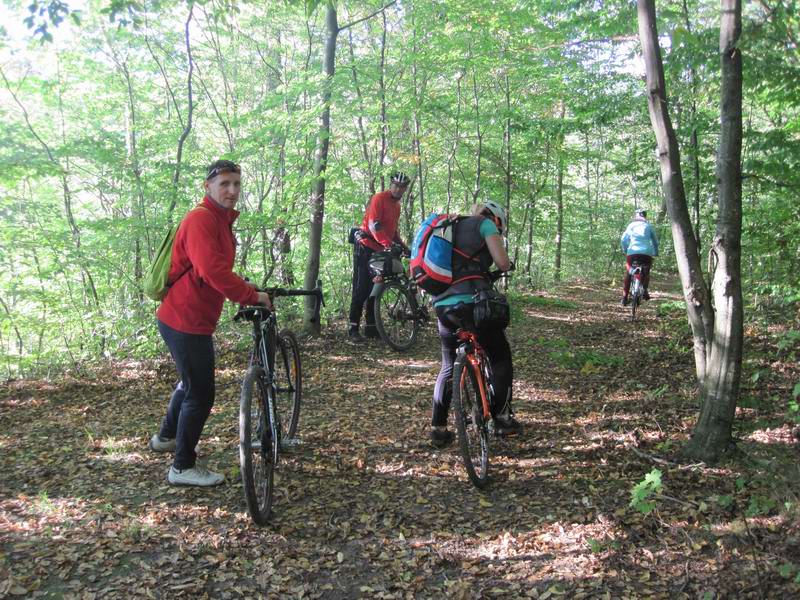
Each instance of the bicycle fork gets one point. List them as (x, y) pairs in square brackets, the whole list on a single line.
[(475, 365)]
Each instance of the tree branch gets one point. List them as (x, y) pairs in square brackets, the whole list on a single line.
[(369, 16)]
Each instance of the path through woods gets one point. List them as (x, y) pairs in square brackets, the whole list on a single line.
[(366, 508)]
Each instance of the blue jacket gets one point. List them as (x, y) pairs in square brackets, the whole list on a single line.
[(639, 238)]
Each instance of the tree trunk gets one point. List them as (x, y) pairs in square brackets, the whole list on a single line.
[(189, 111), (317, 202), (712, 435), (695, 290), (560, 216)]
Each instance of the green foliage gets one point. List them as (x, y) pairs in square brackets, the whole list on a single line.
[(760, 505), (586, 360), (644, 493), (88, 150), (671, 308)]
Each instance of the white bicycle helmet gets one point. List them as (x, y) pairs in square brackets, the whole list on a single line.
[(400, 178), (498, 211)]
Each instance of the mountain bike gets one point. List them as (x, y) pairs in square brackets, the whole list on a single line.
[(399, 313), (472, 393), (269, 406), (637, 289)]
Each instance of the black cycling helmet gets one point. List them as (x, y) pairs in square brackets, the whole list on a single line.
[(400, 178), (640, 212)]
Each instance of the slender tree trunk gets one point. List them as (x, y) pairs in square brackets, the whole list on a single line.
[(360, 117), (560, 194), (417, 125), (382, 93), (454, 147), (476, 190), (507, 143), (559, 216), (189, 112), (693, 141), (317, 204), (695, 290), (712, 435)]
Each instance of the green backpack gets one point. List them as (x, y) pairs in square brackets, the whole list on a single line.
[(155, 283)]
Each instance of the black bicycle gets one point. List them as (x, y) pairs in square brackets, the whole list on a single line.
[(269, 407), (399, 313)]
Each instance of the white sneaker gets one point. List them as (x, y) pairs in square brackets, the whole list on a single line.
[(196, 476), (159, 444)]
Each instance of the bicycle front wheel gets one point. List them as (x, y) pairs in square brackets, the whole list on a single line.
[(472, 428), (395, 317), (288, 383), (257, 452)]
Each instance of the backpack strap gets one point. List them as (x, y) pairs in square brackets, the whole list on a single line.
[(470, 257), (191, 266)]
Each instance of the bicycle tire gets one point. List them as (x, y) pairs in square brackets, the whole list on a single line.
[(473, 431), (636, 298), (394, 317), (257, 453), (288, 383)]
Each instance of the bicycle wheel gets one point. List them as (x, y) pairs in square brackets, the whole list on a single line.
[(288, 383), (257, 452), (394, 316), (473, 431), (636, 297)]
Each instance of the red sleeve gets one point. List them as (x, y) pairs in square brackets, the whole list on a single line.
[(212, 262), (378, 220)]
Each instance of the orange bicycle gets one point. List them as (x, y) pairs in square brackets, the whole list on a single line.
[(472, 393)]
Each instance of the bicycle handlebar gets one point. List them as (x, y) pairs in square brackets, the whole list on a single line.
[(497, 273), (246, 312)]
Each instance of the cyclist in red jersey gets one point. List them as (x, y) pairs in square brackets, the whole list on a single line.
[(378, 232)]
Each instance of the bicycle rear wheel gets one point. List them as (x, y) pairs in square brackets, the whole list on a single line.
[(473, 431), (636, 297), (257, 444), (395, 317), (288, 383)]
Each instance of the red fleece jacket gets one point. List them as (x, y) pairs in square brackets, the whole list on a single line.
[(380, 221), (202, 271)]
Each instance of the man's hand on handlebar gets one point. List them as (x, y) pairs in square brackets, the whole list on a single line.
[(400, 250), (264, 300)]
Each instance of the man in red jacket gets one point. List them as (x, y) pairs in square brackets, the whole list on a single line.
[(201, 278), (378, 232)]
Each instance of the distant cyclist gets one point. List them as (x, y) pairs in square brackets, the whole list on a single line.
[(640, 244), (378, 232), (477, 236)]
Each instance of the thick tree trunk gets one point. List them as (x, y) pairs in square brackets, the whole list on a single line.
[(695, 290), (713, 433), (317, 202)]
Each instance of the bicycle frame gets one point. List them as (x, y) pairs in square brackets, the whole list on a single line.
[(475, 355)]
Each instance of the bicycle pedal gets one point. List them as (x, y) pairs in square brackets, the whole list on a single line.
[(289, 444)]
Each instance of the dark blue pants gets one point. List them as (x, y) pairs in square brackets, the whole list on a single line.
[(193, 397), (495, 344), (362, 287)]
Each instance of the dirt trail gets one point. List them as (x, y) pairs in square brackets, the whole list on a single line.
[(366, 508)]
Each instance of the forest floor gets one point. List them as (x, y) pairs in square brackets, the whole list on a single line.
[(366, 508)]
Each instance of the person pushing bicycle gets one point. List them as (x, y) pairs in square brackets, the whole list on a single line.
[(640, 244), (201, 277), (479, 242), (378, 232)]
